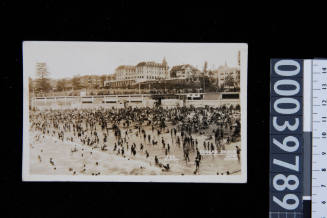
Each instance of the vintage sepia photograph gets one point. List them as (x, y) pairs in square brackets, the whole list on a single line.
[(135, 112)]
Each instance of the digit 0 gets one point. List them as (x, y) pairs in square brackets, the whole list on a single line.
[(288, 82), (288, 63), (291, 101)]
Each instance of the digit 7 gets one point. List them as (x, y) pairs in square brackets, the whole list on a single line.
[(295, 166)]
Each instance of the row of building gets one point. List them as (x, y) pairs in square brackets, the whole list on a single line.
[(143, 72), (150, 71)]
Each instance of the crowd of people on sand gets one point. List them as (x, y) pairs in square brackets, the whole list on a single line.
[(110, 129)]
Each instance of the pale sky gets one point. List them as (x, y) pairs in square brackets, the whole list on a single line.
[(67, 59)]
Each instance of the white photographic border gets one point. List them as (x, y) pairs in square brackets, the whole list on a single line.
[(242, 178)]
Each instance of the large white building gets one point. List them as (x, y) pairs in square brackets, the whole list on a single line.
[(143, 71)]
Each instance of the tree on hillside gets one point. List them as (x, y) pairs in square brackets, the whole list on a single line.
[(229, 80), (76, 82), (103, 78), (42, 82), (238, 79), (173, 74), (205, 66), (30, 84), (205, 83), (61, 84)]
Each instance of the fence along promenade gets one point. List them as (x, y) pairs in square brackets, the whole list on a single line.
[(123, 100)]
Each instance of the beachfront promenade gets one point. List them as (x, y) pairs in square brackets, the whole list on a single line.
[(133, 100)]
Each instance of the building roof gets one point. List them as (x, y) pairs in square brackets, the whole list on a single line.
[(150, 64), (183, 67), (127, 67)]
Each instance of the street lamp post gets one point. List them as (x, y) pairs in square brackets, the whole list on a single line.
[(217, 81), (204, 83)]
